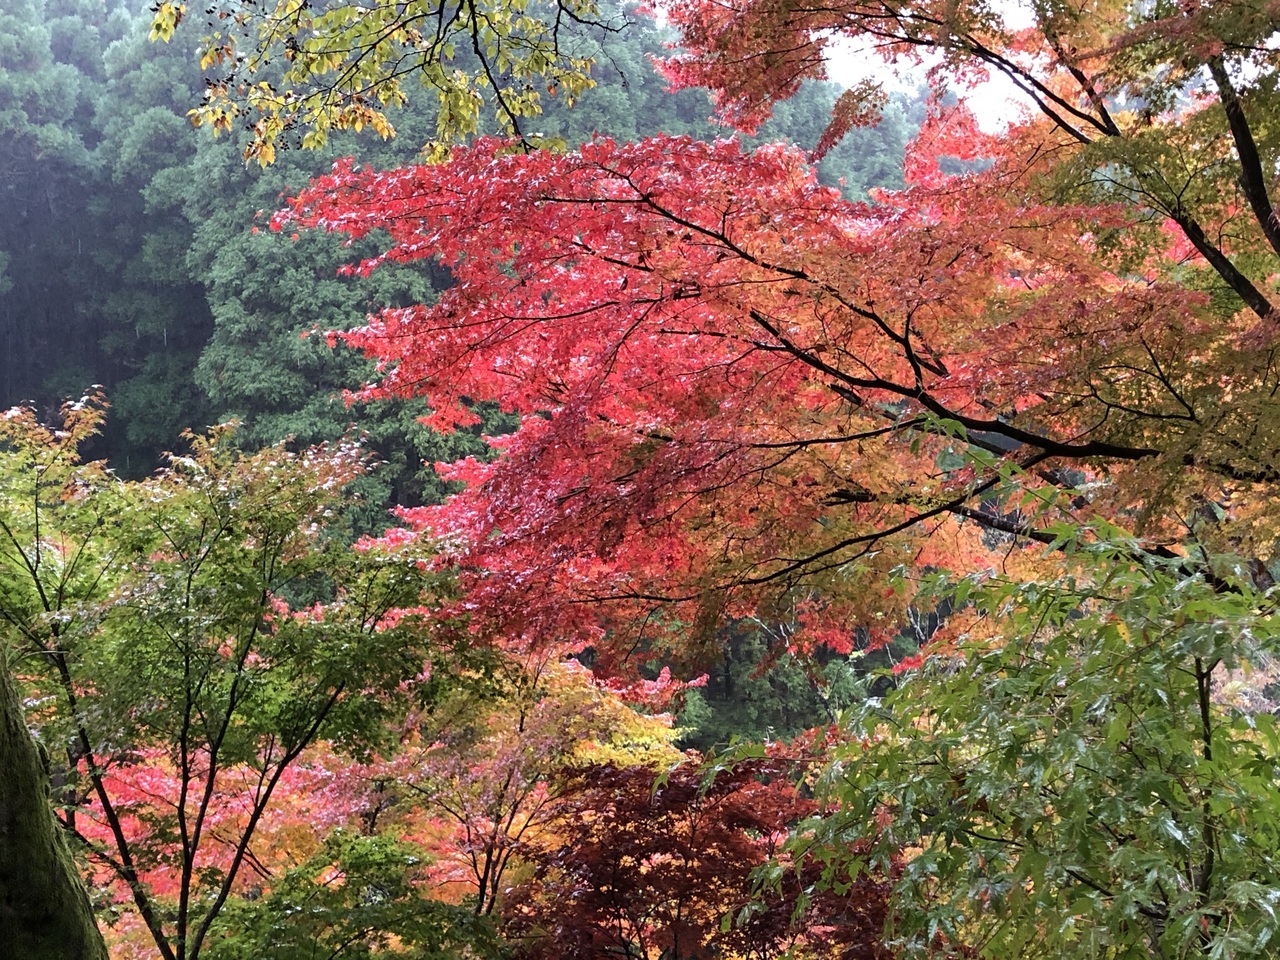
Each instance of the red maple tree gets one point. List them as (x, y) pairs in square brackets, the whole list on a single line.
[(640, 868), (741, 392)]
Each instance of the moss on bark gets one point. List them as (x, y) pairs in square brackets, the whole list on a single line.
[(44, 909)]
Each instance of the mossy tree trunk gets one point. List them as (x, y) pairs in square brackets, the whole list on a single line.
[(44, 909)]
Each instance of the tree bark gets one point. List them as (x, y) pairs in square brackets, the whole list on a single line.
[(44, 908)]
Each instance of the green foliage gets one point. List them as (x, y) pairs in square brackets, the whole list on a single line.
[(198, 638), (1067, 783), (189, 636), (266, 292), (94, 291), (357, 898), (151, 312), (46, 180)]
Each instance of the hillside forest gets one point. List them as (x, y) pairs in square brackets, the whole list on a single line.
[(499, 479)]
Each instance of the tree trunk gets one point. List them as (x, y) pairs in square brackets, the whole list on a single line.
[(44, 909)]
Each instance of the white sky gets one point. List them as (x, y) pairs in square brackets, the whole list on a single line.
[(995, 103)]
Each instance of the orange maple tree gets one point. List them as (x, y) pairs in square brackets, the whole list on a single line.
[(485, 775)]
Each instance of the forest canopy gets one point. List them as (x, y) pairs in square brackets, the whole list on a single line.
[(917, 469)]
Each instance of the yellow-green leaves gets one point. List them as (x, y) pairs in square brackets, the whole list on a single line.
[(166, 20), (292, 72)]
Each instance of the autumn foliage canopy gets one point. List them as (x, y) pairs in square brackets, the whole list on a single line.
[(742, 392), (1030, 395)]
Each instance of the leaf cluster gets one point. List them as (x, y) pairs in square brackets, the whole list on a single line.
[(1066, 784), (320, 68), (358, 897), (644, 866)]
